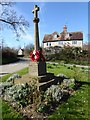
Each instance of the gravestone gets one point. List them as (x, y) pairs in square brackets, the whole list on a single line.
[(37, 68)]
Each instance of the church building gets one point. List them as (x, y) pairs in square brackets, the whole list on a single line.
[(64, 38)]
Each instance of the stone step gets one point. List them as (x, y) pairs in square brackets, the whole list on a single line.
[(44, 81), (44, 85), (46, 78)]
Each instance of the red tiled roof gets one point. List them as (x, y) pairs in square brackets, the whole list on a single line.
[(61, 36), (76, 35)]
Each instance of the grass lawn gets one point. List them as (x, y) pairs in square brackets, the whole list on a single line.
[(76, 107), (8, 113), (71, 72), (21, 72)]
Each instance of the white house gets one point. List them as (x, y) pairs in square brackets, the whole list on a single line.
[(20, 52), (64, 38)]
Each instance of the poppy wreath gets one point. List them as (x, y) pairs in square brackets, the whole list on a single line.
[(37, 55)]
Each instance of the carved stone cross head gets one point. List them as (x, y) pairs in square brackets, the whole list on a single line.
[(36, 9)]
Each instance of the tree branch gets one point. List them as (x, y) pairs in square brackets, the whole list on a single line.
[(11, 23), (11, 19), (4, 3)]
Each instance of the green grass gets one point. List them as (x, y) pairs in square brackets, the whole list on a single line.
[(9, 113), (71, 72), (23, 71), (86, 63), (20, 72), (75, 108)]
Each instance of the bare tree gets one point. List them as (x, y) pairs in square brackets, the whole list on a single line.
[(28, 48), (86, 46), (9, 18)]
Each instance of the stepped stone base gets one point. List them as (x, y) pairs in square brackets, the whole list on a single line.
[(44, 81), (46, 77), (37, 71), (37, 68), (44, 84)]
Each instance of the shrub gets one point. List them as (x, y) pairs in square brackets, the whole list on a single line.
[(9, 55), (42, 108), (3, 86), (67, 54), (53, 94), (62, 75), (68, 83), (20, 94), (13, 77)]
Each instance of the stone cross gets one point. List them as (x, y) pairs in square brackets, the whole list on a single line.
[(36, 30)]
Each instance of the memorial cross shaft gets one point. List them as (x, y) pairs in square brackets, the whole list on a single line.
[(36, 30)]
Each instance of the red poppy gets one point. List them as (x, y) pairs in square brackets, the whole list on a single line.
[(37, 56)]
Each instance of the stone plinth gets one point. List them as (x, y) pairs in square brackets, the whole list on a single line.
[(37, 68)]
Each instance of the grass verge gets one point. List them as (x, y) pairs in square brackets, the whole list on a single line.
[(20, 72)]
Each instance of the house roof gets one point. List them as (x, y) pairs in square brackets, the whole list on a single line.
[(21, 49), (63, 36)]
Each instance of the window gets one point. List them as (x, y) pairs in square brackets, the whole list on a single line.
[(55, 36), (47, 43), (74, 42), (60, 42), (70, 34)]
